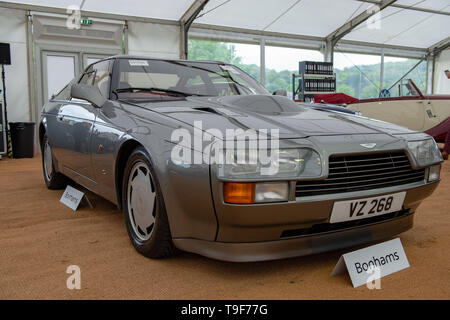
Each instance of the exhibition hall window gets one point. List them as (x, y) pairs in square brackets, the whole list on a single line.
[(282, 62), (396, 68), (357, 75)]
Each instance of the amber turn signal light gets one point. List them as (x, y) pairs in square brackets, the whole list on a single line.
[(239, 192)]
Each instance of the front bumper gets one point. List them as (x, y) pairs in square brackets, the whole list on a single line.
[(255, 232), (266, 222), (287, 248)]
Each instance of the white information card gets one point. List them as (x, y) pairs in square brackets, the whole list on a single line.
[(72, 198), (372, 263)]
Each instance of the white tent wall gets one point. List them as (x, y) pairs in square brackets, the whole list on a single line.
[(410, 23), (407, 28), (13, 30), (154, 40), (441, 82)]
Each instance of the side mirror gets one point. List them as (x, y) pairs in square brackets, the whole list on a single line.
[(280, 92), (88, 93)]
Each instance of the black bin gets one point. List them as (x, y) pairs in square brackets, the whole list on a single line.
[(22, 139)]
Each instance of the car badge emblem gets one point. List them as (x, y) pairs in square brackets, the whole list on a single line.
[(368, 145)]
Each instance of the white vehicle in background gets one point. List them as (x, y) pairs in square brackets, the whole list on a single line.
[(411, 109)]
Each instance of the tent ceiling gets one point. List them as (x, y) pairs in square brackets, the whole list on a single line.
[(431, 4), (305, 17), (159, 9), (156, 9), (405, 28), (400, 25)]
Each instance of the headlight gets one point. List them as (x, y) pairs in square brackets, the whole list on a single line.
[(434, 173), (249, 192), (271, 191), (425, 152), (282, 163)]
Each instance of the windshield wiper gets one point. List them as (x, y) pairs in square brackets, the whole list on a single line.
[(154, 89)]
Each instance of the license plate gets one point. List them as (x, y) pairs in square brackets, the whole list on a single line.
[(366, 208)]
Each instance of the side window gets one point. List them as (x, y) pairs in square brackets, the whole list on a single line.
[(88, 76), (98, 75), (102, 77), (64, 94)]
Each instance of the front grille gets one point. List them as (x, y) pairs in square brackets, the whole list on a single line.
[(362, 172), (332, 227)]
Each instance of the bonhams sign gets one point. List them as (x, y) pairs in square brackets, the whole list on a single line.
[(369, 264)]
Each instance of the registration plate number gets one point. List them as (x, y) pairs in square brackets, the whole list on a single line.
[(366, 208)]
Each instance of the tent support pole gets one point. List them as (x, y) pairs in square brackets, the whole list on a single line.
[(185, 23)]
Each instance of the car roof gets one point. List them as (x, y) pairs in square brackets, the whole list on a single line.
[(126, 56)]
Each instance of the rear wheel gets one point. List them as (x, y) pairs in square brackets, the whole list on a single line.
[(54, 180), (143, 206)]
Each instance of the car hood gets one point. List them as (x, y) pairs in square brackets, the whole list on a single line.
[(269, 112)]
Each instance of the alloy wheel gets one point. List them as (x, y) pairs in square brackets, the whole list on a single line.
[(141, 197)]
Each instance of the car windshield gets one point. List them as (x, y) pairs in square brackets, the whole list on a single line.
[(160, 79)]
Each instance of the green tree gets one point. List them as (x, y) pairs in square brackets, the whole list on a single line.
[(369, 92), (213, 50), (344, 88), (251, 69)]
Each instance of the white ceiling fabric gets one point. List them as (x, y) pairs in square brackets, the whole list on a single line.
[(159, 9), (318, 18), (405, 28), (428, 4)]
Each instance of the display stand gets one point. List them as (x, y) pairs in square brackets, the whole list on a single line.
[(313, 78)]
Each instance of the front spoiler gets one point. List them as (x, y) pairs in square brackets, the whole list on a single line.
[(301, 246)]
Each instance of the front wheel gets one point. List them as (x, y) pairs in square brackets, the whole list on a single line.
[(143, 206), (54, 180)]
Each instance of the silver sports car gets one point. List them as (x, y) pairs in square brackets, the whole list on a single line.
[(199, 156)]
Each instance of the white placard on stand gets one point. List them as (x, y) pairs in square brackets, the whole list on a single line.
[(386, 257), (73, 197)]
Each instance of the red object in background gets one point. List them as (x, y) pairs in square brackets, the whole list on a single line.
[(334, 98), (441, 133), (447, 73)]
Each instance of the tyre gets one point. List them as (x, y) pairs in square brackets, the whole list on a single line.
[(54, 180), (143, 206)]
